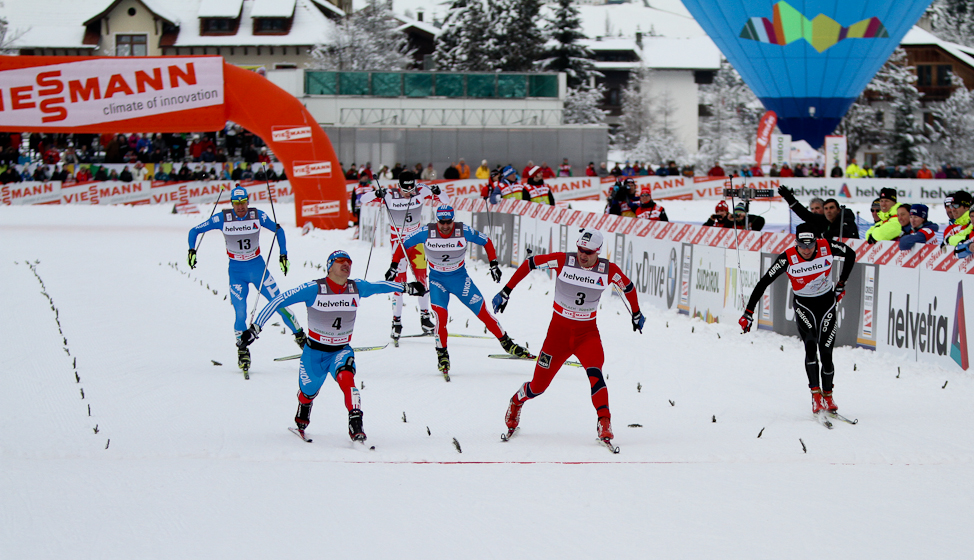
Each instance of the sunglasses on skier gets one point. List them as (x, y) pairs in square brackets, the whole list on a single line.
[(445, 222), (587, 251)]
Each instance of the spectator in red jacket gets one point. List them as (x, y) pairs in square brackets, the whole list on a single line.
[(786, 171), (547, 172), (527, 169), (716, 171), (590, 170)]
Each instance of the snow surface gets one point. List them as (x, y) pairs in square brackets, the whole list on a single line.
[(200, 464)]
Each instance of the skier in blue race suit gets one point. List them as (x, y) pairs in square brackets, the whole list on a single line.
[(446, 245), (241, 231), (332, 305)]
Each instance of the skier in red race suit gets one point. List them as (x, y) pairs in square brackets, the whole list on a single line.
[(581, 279), (808, 266)]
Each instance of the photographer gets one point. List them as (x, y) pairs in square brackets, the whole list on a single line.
[(834, 222), (623, 200), (741, 219), (719, 217)]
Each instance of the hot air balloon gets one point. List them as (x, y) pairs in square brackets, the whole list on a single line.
[(807, 60)]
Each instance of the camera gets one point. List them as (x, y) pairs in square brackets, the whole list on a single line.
[(745, 193)]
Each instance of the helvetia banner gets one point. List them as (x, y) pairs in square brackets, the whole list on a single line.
[(84, 93)]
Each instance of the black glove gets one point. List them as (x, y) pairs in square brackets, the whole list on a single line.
[(392, 272), (191, 259), (638, 321), (380, 192), (495, 271), (839, 291), (248, 336), (786, 193), (415, 289), (870, 240), (500, 300), (435, 189), (285, 265)]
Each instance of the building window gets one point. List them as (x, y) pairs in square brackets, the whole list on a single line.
[(270, 25), (943, 74), (218, 25), (612, 97), (131, 45)]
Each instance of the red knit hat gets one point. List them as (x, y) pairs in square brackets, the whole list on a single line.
[(722, 207)]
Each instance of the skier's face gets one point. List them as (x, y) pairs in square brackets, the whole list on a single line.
[(806, 253), (340, 271), (240, 207), (445, 226), (587, 258)]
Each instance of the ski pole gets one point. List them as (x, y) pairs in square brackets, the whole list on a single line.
[(215, 204), (737, 242)]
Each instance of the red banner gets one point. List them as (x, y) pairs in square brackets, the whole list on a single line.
[(765, 128)]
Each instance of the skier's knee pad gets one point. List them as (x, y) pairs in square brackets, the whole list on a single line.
[(348, 366), (306, 399), (596, 379)]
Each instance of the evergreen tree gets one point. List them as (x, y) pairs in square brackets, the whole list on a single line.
[(637, 115), (582, 106), (368, 39), (953, 20), (728, 132), (513, 41), (459, 46), (563, 52), (897, 83), (953, 129)]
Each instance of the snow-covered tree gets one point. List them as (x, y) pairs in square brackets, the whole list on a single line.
[(953, 129), (896, 83), (582, 105), (514, 41), (658, 148), (563, 52), (459, 46), (728, 131), (953, 20), (862, 124), (368, 39), (637, 116)]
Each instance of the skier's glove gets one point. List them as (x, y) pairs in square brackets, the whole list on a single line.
[(839, 291), (638, 321), (500, 300), (747, 319), (191, 259), (435, 189), (285, 264), (495, 271), (248, 336), (963, 250), (414, 289), (380, 193), (392, 272)]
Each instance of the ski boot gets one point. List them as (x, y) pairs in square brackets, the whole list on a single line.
[(396, 331), (303, 416), (443, 362), (827, 401), (426, 321), (243, 360), (300, 339), (605, 429), (818, 404), (513, 349), (355, 425)]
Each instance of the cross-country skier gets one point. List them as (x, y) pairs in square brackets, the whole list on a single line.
[(581, 278), (241, 231), (808, 266), (446, 245), (405, 206), (332, 304)]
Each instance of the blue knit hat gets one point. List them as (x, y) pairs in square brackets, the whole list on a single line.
[(238, 193), (919, 210), (334, 257), (444, 212)]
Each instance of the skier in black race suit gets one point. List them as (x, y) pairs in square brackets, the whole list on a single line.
[(809, 268)]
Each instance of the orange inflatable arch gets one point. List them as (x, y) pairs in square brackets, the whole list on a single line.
[(176, 94)]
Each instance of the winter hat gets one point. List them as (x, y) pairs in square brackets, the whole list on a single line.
[(963, 198), (805, 236), (888, 194), (238, 194), (334, 257), (874, 206), (590, 239), (444, 212), (533, 170), (407, 181), (740, 207), (508, 171), (919, 210), (722, 207)]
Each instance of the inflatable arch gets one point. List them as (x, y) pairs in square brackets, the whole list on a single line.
[(176, 94)]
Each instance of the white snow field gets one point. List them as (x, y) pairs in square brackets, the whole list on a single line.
[(192, 461)]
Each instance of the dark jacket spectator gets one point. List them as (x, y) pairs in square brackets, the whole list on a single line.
[(837, 172), (719, 217), (826, 224), (125, 175), (920, 229), (622, 198), (451, 173), (741, 219)]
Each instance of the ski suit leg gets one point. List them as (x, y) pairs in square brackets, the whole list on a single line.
[(343, 370), (270, 291), (312, 371), (556, 349), (808, 318), (440, 298), (467, 292), (417, 260), (239, 289), (588, 349), (826, 342)]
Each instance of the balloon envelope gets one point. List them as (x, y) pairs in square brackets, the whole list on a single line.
[(807, 60)]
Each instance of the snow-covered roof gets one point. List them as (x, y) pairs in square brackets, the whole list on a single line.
[(415, 23), (272, 8), (668, 18), (310, 27), (49, 23), (220, 8), (693, 53), (329, 7), (611, 44), (919, 36)]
